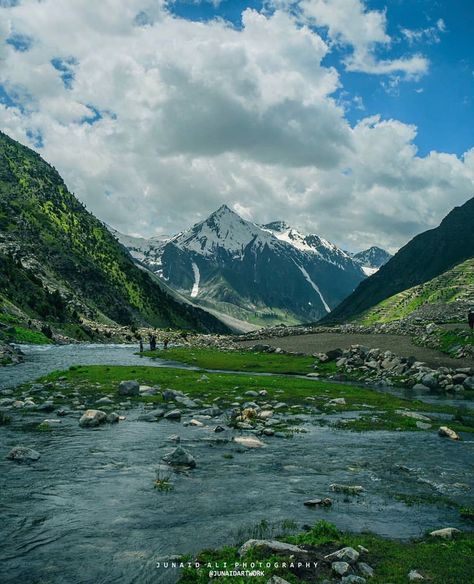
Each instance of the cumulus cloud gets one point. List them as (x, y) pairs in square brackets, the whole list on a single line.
[(154, 121), (350, 23)]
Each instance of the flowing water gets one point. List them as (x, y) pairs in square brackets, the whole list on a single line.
[(87, 512)]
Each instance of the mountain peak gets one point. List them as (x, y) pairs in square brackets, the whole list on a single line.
[(277, 226)]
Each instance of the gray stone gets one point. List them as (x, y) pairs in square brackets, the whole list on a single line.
[(151, 416), (415, 576), (92, 418), (112, 418), (430, 380), (469, 383), (129, 388), (365, 569), (446, 432), (272, 546), (341, 568), (348, 489), (346, 554), (353, 579), (173, 415), (180, 457), (445, 533), (23, 454), (277, 580), (104, 400)]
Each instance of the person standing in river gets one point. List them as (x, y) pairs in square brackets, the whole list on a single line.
[(141, 345), (470, 319), (165, 343)]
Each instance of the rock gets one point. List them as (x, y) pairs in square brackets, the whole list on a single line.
[(129, 388), (173, 415), (219, 429), (337, 401), (415, 576), (268, 432), (46, 407), (273, 546), (430, 380), (353, 579), (249, 441), (277, 580), (365, 569), (112, 418), (92, 418), (334, 354), (413, 415), (185, 401), (23, 454), (104, 400), (445, 533), (265, 414), (196, 423), (251, 393), (446, 432), (346, 554), (349, 489), (180, 457), (431, 328), (420, 387), (326, 502), (341, 568), (468, 383), (151, 416)]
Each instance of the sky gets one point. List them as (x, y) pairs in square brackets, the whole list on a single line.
[(352, 119)]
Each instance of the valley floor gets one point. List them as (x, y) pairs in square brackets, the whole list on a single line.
[(400, 344)]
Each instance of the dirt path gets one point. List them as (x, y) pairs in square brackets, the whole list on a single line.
[(398, 344)]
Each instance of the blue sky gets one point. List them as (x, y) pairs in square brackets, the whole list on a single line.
[(348, 118)]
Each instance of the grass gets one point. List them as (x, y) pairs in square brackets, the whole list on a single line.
[(440, 561), (93, 381), (237, 360)]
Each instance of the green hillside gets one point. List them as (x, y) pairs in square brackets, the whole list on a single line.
[(59, 263), (452, 292)]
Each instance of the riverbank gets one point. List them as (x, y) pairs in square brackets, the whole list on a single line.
[(262, 445)]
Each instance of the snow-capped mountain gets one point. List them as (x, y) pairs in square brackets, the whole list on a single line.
[(143, 249), (372, 259), (261, 274)]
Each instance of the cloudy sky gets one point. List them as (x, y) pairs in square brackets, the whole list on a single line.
[(350, 118)]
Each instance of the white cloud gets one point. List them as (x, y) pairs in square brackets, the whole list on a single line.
[(197, 114), (349, 23), (429, 35)]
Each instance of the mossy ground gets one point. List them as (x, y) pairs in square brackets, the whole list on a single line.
[(300, 395), (439, 561)]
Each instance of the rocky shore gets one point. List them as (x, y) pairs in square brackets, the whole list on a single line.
[(9, 355)]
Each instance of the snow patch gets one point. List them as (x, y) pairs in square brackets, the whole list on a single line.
[(369, 271), (197, 278), (315, 287)]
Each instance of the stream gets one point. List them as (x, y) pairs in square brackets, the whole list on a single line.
[(87, 512)]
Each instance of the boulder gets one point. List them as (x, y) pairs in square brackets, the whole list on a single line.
[(112, 418), (23, 454), (180, 457), (415, 576), (445, 533), (173, 415), (104, 400), (92, 418), (468, 383), (151, 416), (348, 489), (129, 388), (326, 502), (272, 546), (353, 579), (430, 380), (337, 401), (249, 441), (341, 568), (334, 354), (365, 569), (446, 432), (346, 554)]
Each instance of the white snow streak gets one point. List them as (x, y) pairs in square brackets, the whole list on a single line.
[(308, 279), (369, 271), (197, 277)]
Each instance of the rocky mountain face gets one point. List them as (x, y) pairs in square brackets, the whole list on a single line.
[(261, 274), (372, 259), (425, 257), (59, 263)]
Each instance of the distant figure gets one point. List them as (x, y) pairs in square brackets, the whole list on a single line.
[(165, 343), (141, 346), (470, 319), (152, 342)]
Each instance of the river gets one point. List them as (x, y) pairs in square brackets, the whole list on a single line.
[(87, 512)]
